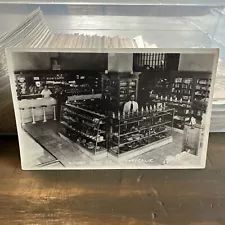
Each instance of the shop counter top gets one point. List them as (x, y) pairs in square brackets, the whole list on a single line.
[(38, 102), (38, 111)]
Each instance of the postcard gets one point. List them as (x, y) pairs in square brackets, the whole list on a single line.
[(86, 108)]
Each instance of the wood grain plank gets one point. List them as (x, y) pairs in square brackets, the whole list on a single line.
[(133, 197)]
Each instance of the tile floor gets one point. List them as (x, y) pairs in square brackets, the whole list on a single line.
[(52, 147), (35, 154)]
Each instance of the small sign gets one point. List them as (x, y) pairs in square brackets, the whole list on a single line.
[(55, 64)]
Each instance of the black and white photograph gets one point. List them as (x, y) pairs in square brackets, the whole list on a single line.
[(115, 109)]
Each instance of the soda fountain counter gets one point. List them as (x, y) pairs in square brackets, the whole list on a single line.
[(39, 109)]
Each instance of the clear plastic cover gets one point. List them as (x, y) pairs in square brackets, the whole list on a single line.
[(164, 24), (173, 23), (124, 2)]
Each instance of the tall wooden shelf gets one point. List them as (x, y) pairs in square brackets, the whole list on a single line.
[(119, 86), (74, 82), (189, 93)]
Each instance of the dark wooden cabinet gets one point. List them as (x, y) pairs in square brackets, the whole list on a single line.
[(118, 87)]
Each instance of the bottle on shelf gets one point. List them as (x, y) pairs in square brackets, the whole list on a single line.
[(175, 99), (146, 109), (142, 110)]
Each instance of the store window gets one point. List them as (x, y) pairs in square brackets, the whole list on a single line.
[(155, 61)]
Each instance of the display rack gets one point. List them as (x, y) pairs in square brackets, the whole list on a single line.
[(30, 83), (201, 96), (182, 110), (162, 86), (182, 97), (83, 83), (188, 96), (182, 89), (86, 130), (135, 134), (119, 87)]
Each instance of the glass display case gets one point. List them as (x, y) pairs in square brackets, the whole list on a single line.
[(165, 23), (192, 138), (86, 129), (137, 133)]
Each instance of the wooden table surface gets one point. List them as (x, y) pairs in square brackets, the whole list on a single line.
[(124, 197)]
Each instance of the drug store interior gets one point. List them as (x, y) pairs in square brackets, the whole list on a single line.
[(115, 106)]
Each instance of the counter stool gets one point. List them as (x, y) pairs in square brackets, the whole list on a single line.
[(21, 114), (44, 107), (32, 112), (54, 111)]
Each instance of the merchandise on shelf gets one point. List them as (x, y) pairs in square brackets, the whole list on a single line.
[(118, 88), (162, 87), (201, 96), (83, 83), (181, 93), (188, 96), (30, 83), (117, 132), (132, 131), (84, 127)]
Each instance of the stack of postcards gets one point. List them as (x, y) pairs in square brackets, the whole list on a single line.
[(34, 33), (24, 34), (218, 111)]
